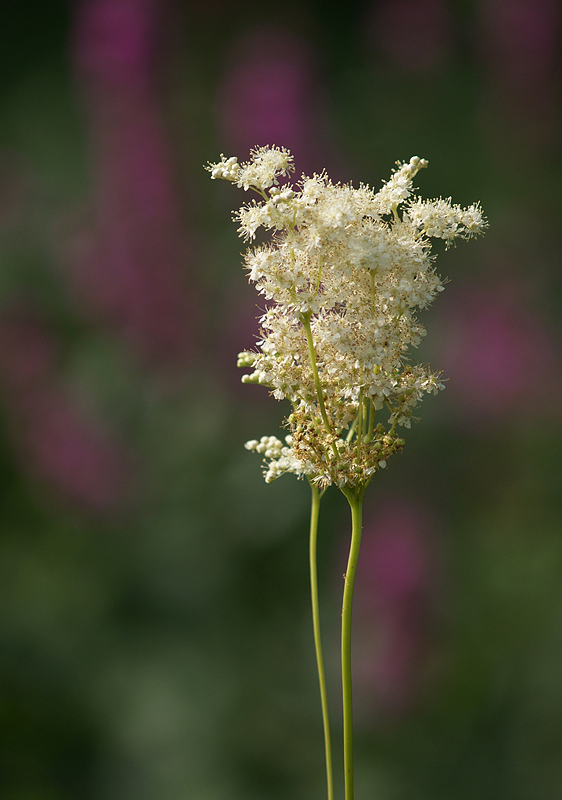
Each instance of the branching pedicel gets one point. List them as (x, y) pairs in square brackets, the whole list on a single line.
[(344, 273)]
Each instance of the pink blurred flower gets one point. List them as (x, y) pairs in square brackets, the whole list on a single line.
[(414, 35), (114, 44), (130, 266), (392, 591), (28, 352), (74, 455), (522, 42), (521, 46), (498, 355), (270, 95)]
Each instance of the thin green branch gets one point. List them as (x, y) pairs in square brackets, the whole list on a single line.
[(360, 422), (366, 403), (314, 513), (305, 319), (371, 429), (355, 500)]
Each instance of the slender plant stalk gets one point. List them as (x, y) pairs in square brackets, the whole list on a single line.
[(315, 510), (305, 319), (300, 225), (355, 500)]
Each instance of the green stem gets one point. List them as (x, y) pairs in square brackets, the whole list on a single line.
[(371, 421), (314, 512), (355, 500), (305, 319), (391, 431), (360, 423), (351, 431), (260, 192)]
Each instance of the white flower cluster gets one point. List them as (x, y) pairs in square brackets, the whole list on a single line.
[(442, 220), (344, 273), (261, 172), (282, 456)]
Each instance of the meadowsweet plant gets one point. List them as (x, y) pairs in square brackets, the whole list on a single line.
[(344, 273)]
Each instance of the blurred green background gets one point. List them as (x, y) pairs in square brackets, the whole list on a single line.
[(155, 632)]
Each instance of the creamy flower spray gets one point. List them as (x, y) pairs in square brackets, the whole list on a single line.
[(344, 273)]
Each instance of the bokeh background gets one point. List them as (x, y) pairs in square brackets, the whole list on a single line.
[(156, 640)]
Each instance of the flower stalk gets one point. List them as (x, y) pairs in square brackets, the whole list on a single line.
[(345, 273), (355, 500), (305, 319), (314, 513)]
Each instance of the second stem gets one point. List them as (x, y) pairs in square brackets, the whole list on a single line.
[(355, 500), (315, 509)]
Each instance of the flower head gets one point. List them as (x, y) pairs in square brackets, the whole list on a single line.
[(344, 274), (261, 172)]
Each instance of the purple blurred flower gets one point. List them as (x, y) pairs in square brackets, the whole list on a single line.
[(498, 355), (28, 353), (129, 267), (522, 38), (414, 35), (115, 44), (270, 96), (73, 454), (392, 593), (521, 41)]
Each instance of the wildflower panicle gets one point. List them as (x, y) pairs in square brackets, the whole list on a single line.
[(345, 272)]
